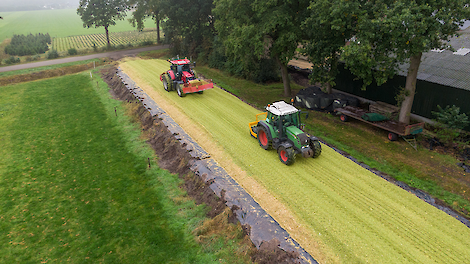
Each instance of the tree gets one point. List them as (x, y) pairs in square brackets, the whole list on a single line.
[(329, 25), (263, 27), (189, 25), (393, 32), (102, 13), (144, 9)]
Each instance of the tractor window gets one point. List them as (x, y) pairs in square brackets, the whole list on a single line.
[(180, 69), (272, 119), (186, 67), (290, 120)]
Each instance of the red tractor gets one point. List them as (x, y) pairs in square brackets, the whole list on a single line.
[(182, 79)]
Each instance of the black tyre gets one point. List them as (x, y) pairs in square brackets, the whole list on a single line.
[(165, 83), (170, 83), (316, 147), (200, 92), (392, 136), (286, 155), (264, 139), (344, 118), (179, 90)]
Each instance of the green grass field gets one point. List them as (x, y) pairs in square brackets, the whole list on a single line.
[(356, 214), (58, 23), (76, 186)]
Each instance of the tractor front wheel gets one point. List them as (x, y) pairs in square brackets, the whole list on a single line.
[(179, 90), (165, 83), (316, 147), (343, 118), (286, 155), (263, 138)]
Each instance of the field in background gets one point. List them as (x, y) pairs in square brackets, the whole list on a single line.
[(86, 42), (358, 216), (58, 23)]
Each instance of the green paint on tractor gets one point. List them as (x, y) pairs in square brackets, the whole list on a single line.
[(281, 128)]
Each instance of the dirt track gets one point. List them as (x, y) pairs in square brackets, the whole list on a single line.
[(114, 55)]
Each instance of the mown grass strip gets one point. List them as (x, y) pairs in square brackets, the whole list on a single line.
[(359, 216), (75, 183), (422, 169)]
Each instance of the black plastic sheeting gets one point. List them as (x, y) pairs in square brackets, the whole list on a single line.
[(262, 226)]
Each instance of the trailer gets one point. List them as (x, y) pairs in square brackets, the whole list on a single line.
[(394, 128)]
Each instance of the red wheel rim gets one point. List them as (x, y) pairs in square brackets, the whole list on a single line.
[(262, 138), (390, 136), (283, 155), (343, 118)]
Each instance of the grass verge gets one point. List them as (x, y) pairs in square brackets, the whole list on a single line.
[(76, 185)]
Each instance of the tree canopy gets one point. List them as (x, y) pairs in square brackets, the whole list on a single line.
[(144, 9), (264, 28), (102, 13), (188, 25), (328, 26)]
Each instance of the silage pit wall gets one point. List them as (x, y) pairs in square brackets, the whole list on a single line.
[(263, 227)]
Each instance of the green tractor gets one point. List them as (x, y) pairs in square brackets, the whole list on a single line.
[(280, 128)]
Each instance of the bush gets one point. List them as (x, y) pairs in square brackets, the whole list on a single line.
[(451, 117), (450, 124), (21, 45), (72, 51), (12, 60), (52, 54), (121, 46), (146, 43)]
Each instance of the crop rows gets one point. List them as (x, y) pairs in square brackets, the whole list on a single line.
[(356, 215), (99, 40)]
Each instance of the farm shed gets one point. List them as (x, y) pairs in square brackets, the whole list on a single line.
[(443, 79)]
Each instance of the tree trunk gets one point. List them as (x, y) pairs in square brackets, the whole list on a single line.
[(410, 89), (285, 77), (157, 22), (107, 36), (332, 74)]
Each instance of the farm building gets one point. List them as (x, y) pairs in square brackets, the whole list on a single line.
[(443, 79)]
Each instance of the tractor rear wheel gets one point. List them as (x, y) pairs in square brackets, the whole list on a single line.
[(165, 83), (316, 147), (264, 138), (179, 90), (286, 155)]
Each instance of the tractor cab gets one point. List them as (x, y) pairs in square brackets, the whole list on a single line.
[(182, 70), (283, 116)]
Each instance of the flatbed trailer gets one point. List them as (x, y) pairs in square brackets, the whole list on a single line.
[(394, 128)]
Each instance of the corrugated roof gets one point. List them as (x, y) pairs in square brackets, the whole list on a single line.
[(447, 67)]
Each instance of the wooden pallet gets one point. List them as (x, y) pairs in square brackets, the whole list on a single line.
[(384, 109)]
